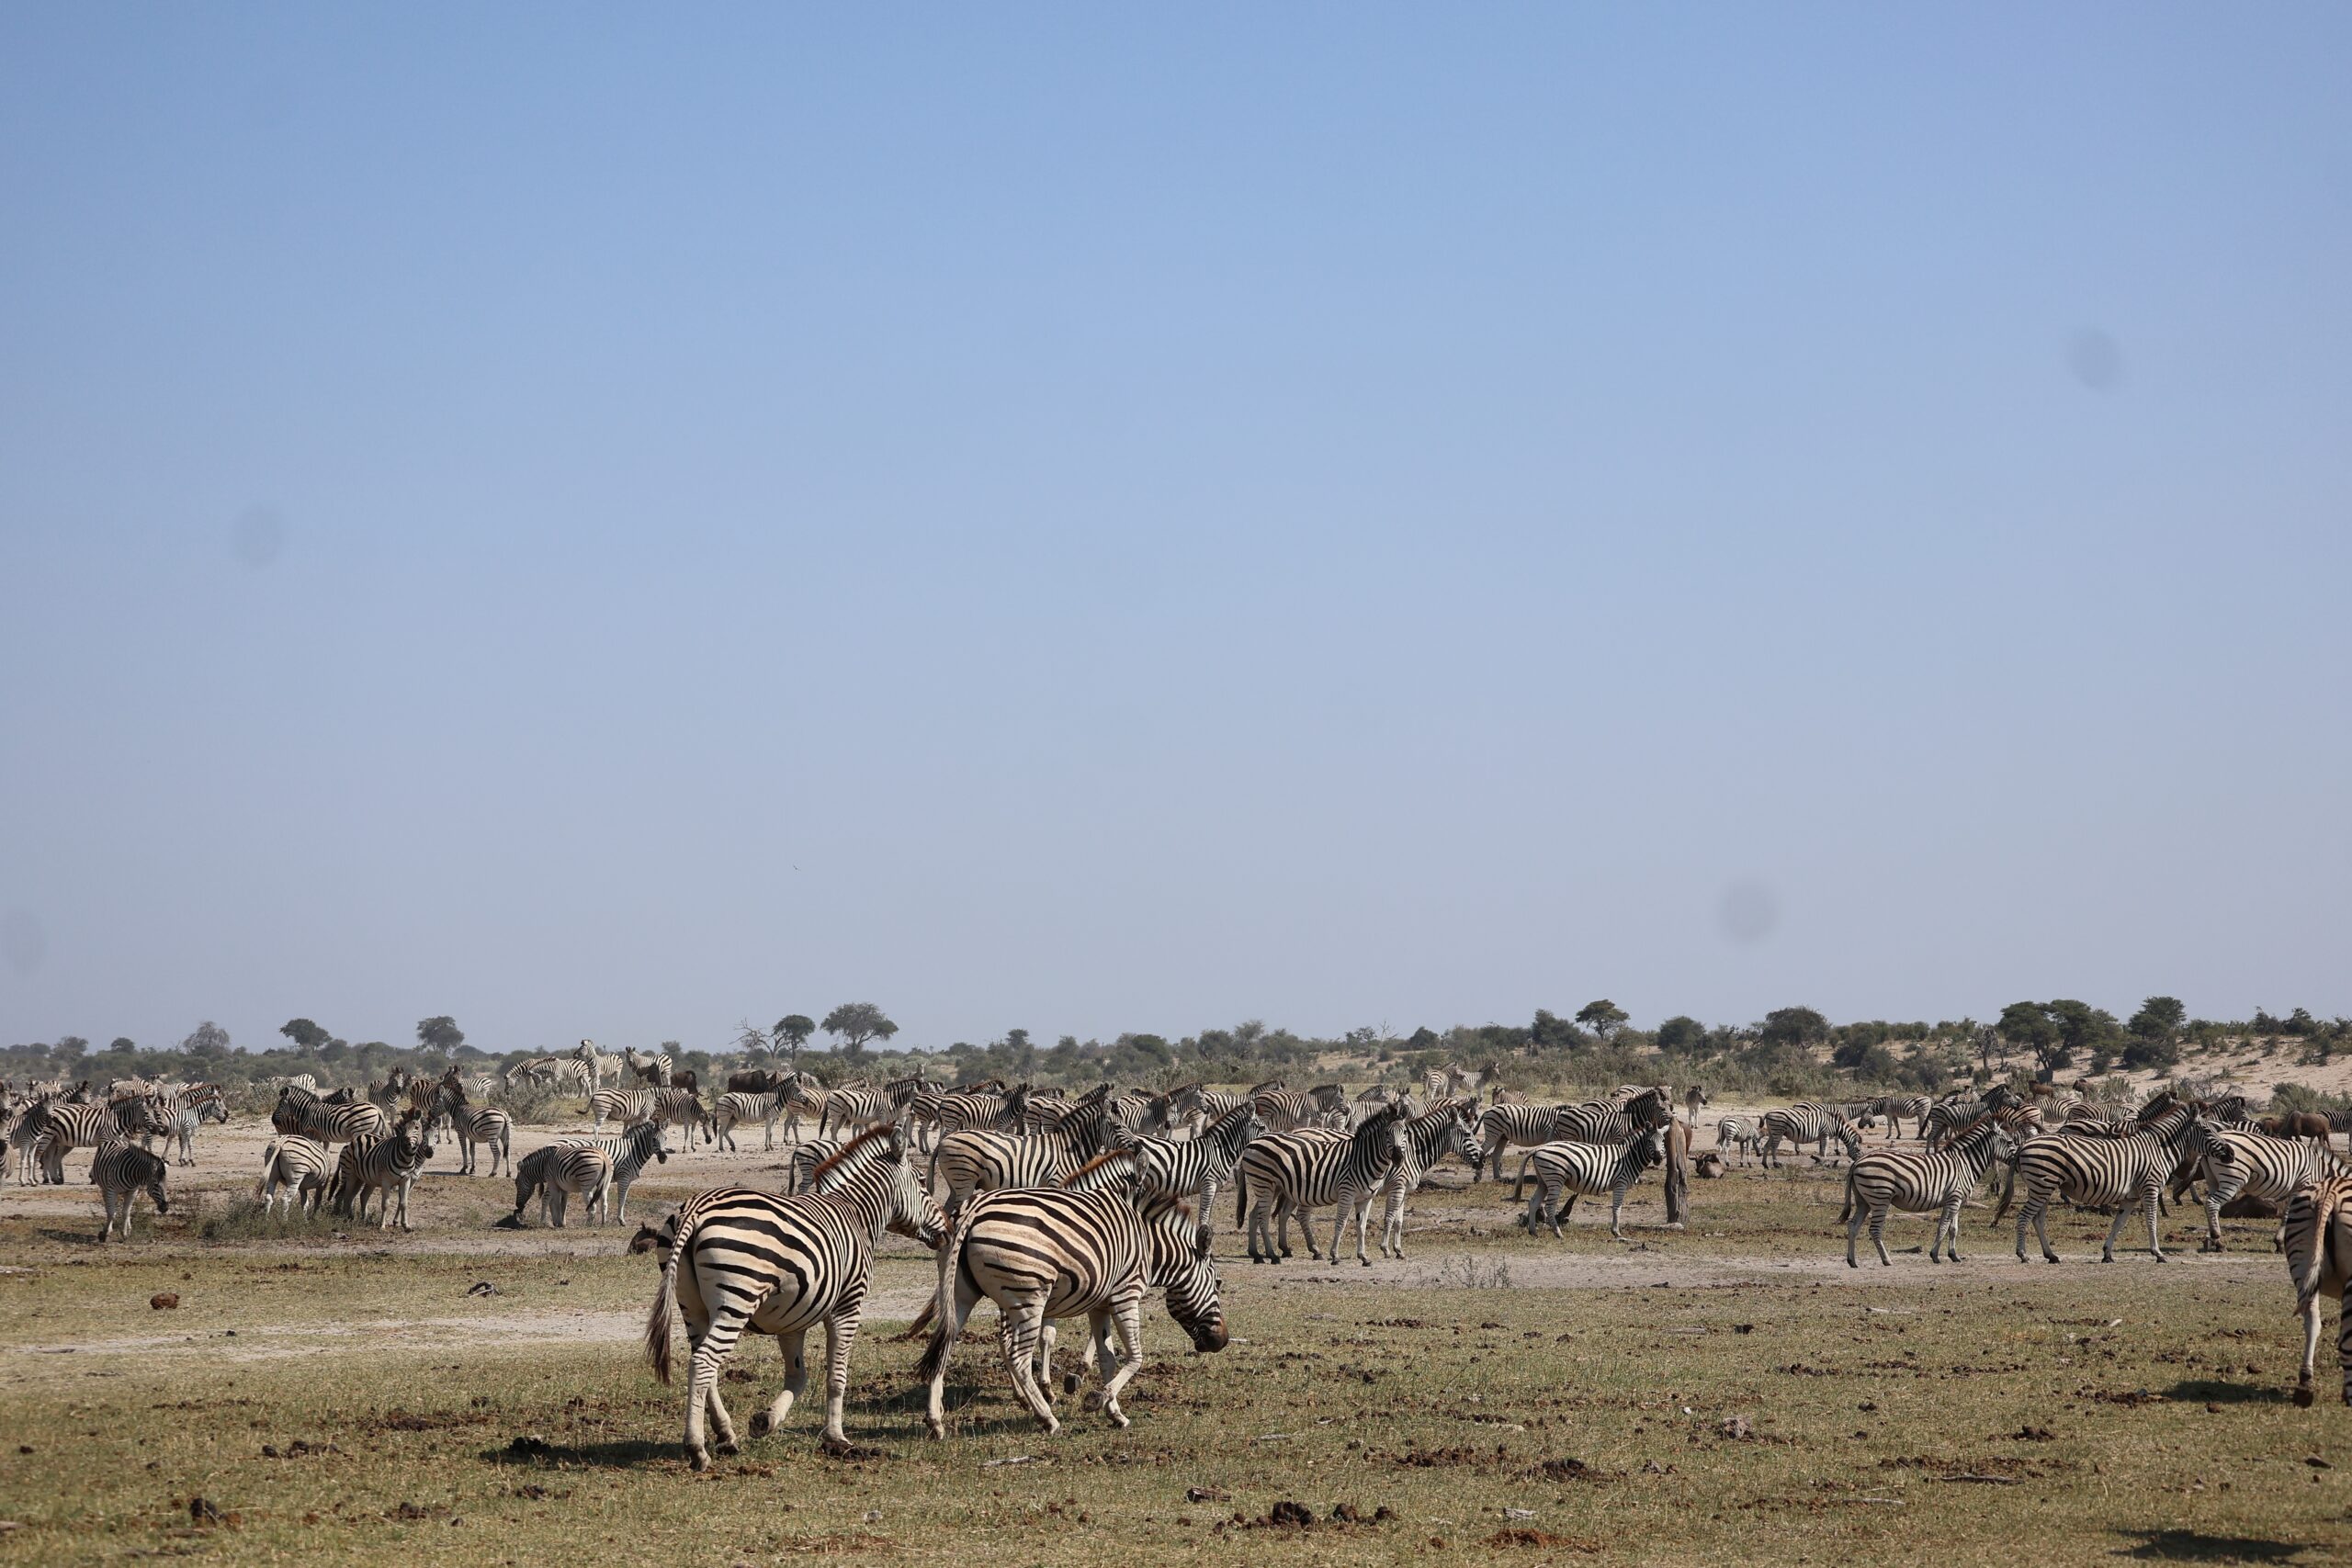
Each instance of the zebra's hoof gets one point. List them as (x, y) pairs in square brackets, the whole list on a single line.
[(698, 1459), (1365, 1261), (1069, 1383), (2304, 1398), (729, 1448), (760, 1425)]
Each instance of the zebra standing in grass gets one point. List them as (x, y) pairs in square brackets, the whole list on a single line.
[(2319, 1261), (1587, 1170), (1810, 1122), (329, 1122), (1285, 1110), (486, 1125), (1197, 1167), (189, 1109), (654, 1071), (579, 1171), (738, 1109), (966, 1163), (742, 1260), (121, 1171), (1301, 1171), (1041, 1255), (1444, 1128), (1627, 1115), (90, 1126), (622, 1105), (1740, 1132), (1502, 1127), (1930, 1181), (387, 1166), (2095, 1171), (2254, 1165), (298, 1166), (625, 1155), (1896, 1108)]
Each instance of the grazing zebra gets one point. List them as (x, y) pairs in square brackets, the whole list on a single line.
[(1502, 1127), (1809, 1121), (329, 1122), (1896, 1108), (622, 1105), (2254, 1165), (744, 1260), (90, 1126), (121, 1171), (1301, 1171), (1931, 1180), (2319, 1260), (1041, 1255), (580, 1170), (626, 1156), (1587, 1170), (387, 1166), (1444, 1128), (1197, 1167), (736, 1108), (654, 1070), (1740, 1132), (299, 1166), (2095, 1171)]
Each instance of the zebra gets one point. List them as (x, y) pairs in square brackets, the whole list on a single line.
[(679, 1108), (1444, 1128), (622, 1105), (1896, 1108), (1044, 1254), (298, 1111), (804, 1160), (190, 1108), (2254, 1165), (484, 1124), (1197, 1167), (745, 1259), (1286, 1110), (298, 1166), (1502, 1127), (1587, 1170), (1740, 1132), (1955, 1110), (625, 1154), (1631, 1112), (970, 1162), (580, 1170), (653, 1070), (1810, 1122), (68, 1127), (846, 1107), (594, 1061), (2319, 1258), (736, 1107), (120, 1170), (1931, 1180), (2095, 1171), (386, 1166), (1301, 1171), (24, 1137)]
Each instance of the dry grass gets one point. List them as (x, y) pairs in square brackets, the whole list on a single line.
[(1729, 1395)]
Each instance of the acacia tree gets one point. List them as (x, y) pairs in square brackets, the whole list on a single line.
[(791, 1033), (304, 1034), (1605, 1018), (1794, 1026), (854, 1023), (440, 1035)]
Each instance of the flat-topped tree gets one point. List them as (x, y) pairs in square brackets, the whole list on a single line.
[(854, 1023)]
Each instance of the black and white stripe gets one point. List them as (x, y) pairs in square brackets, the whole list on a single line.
[(626, 1156), (1900, 1108), (737, 1109), (745, 1260), (2092, 1172), (1197, 1167), (1740, 1132), (1446, 1127), (1809, 1121), (386, 1165), (1042, 1255), (2255, 1165), (329, 1122), (93, 1125), (300, 1167), (1502, 1127), (1287, 1173), (654, 1069), (1576, 1169), (2318, 1239), (1928, 1180), (121, 1171)]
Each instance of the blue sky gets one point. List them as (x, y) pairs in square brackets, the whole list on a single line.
[(605, 523)]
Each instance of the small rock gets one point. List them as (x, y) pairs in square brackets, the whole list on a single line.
[(1207, 1494), (2211, 1408), (165, 1301), (1519, 1513), (873, 1515), (1736, 1426), (269, 1450)]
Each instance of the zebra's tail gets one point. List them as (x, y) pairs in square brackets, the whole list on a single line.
[(942, 1307), (1241, 1200), (1520, 1179), (2008, 1191), (665, 1302), (1847, 1212)]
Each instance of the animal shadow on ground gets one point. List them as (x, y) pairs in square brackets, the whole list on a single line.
[(2194, 1546), (2226, 1392), (628, 1454)]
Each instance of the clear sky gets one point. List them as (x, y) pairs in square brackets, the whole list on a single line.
[(608, 521)]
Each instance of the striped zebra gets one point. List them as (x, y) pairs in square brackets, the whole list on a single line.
[(1299, 1172), (1810, 1122), (1285, 1110), (621, 1105), (1929, 1180), (2095, 1171), (1444, 1128), (626, 1154), (1197, 1167), (92, 1125), (845, 1109), (386, 1165), (1578, 1170), (121, 1171), (1631, 1112), (581, 1171), (1956, 1111), (300, 1167), (742, 1260), (1502, 1127), (1740, 1132), (2319, 1261), (682, 1108), (966, 1163), (486, 1125), (1042, 1255), (2254, 1165), (737, 1109), (805, 1156), (1897, 1107), (187, 1108), (24, 1136), (1138, 1113), (596, 1063), (654, 1069), (329, 1122)]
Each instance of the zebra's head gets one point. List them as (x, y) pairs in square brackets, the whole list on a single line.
[(1464, 1137), (1188, 1274)]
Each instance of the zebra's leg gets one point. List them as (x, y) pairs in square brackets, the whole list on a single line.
[(2041, 1230), (2343, 1336), (2213, 1202), (1204, 1237), (2148, 1207), (1306, 1233), (711, 1348), (1853, 1236), (795, 1382), (1261, 1228), (554, 1198), (934, 1417), (1878, 1233), (1047, 1338), (1617, 1210), (840, 1333), (1392, 1226), (1946, 1224), (2122, 1216), (1357, 1206), (1125, 1317), (1024, 1321)]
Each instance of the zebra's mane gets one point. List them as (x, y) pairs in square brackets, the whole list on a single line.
[(880, 1130), (1097, 1163)]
